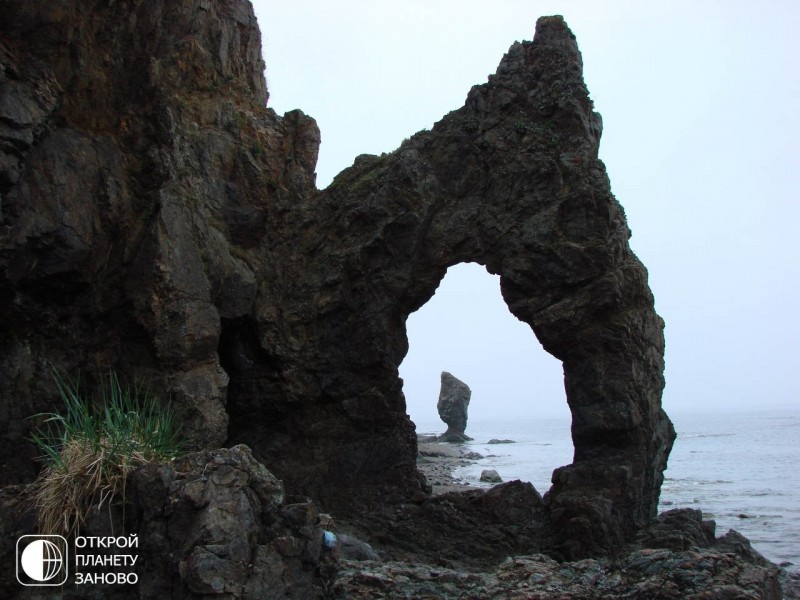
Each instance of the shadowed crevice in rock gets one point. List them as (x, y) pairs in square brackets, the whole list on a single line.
[(157, 219)]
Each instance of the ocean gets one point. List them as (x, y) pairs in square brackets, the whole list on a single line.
[(740, 469)]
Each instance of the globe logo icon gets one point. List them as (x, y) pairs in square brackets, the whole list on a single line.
[(43, 559)]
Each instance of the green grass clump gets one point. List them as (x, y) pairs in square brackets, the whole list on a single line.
[(90, 447)]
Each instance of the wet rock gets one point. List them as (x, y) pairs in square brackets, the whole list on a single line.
[(490, 476), (679, 529), (453, 405), (159, 219), (790, 584), (352, 548), (476, 527), (677, 557), (437, 462), (496, 441), (735, 542), (219, 523)]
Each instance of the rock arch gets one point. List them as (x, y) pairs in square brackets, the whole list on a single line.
[(158, 219), (510, 181)]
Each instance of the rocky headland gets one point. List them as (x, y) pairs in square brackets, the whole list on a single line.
[(158, 219)]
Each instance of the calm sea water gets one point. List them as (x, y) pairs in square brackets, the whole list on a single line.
[(740, 469)]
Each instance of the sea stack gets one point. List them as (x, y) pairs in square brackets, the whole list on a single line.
[(453, 403)]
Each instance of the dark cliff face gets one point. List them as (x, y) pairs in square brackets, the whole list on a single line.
[(141, 178), (157, 219)]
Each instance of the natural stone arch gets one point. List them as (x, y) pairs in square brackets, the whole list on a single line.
[(187, 243), (511, 181)]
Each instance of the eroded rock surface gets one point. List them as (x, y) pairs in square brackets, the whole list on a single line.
[(140, 176), (641, 575), (511, 181), (680, 558), (158, 219), (490, 476), (222, 522), (453, 407), (210, 524)]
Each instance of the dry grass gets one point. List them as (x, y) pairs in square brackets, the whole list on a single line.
[(64, 493), (89, 450)]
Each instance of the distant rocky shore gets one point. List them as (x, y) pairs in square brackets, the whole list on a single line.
[(438, 460)]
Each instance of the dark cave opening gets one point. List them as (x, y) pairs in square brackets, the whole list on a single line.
[(256, 415)]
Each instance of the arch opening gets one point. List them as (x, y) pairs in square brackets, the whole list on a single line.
[(517, 388)]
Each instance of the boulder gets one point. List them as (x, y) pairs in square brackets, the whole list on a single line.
[(453, 406), (352, 548), (490, 476), (219, 523)]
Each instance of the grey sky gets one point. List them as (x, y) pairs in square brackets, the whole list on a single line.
[(699, 102)]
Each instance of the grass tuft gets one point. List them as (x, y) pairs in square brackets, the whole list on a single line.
[(89, 449)]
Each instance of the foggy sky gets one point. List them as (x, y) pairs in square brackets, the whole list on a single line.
[(699, 103)]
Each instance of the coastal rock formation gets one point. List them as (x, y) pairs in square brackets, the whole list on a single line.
[(511, 181), (158, 219), (472, 529), (208, 524), (141, 178), (453, 406), (219, 524), (679, 558)]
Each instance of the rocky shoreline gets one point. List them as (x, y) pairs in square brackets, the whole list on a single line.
[(678, 557), (456, 544), (643, 574), (438, 460)]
